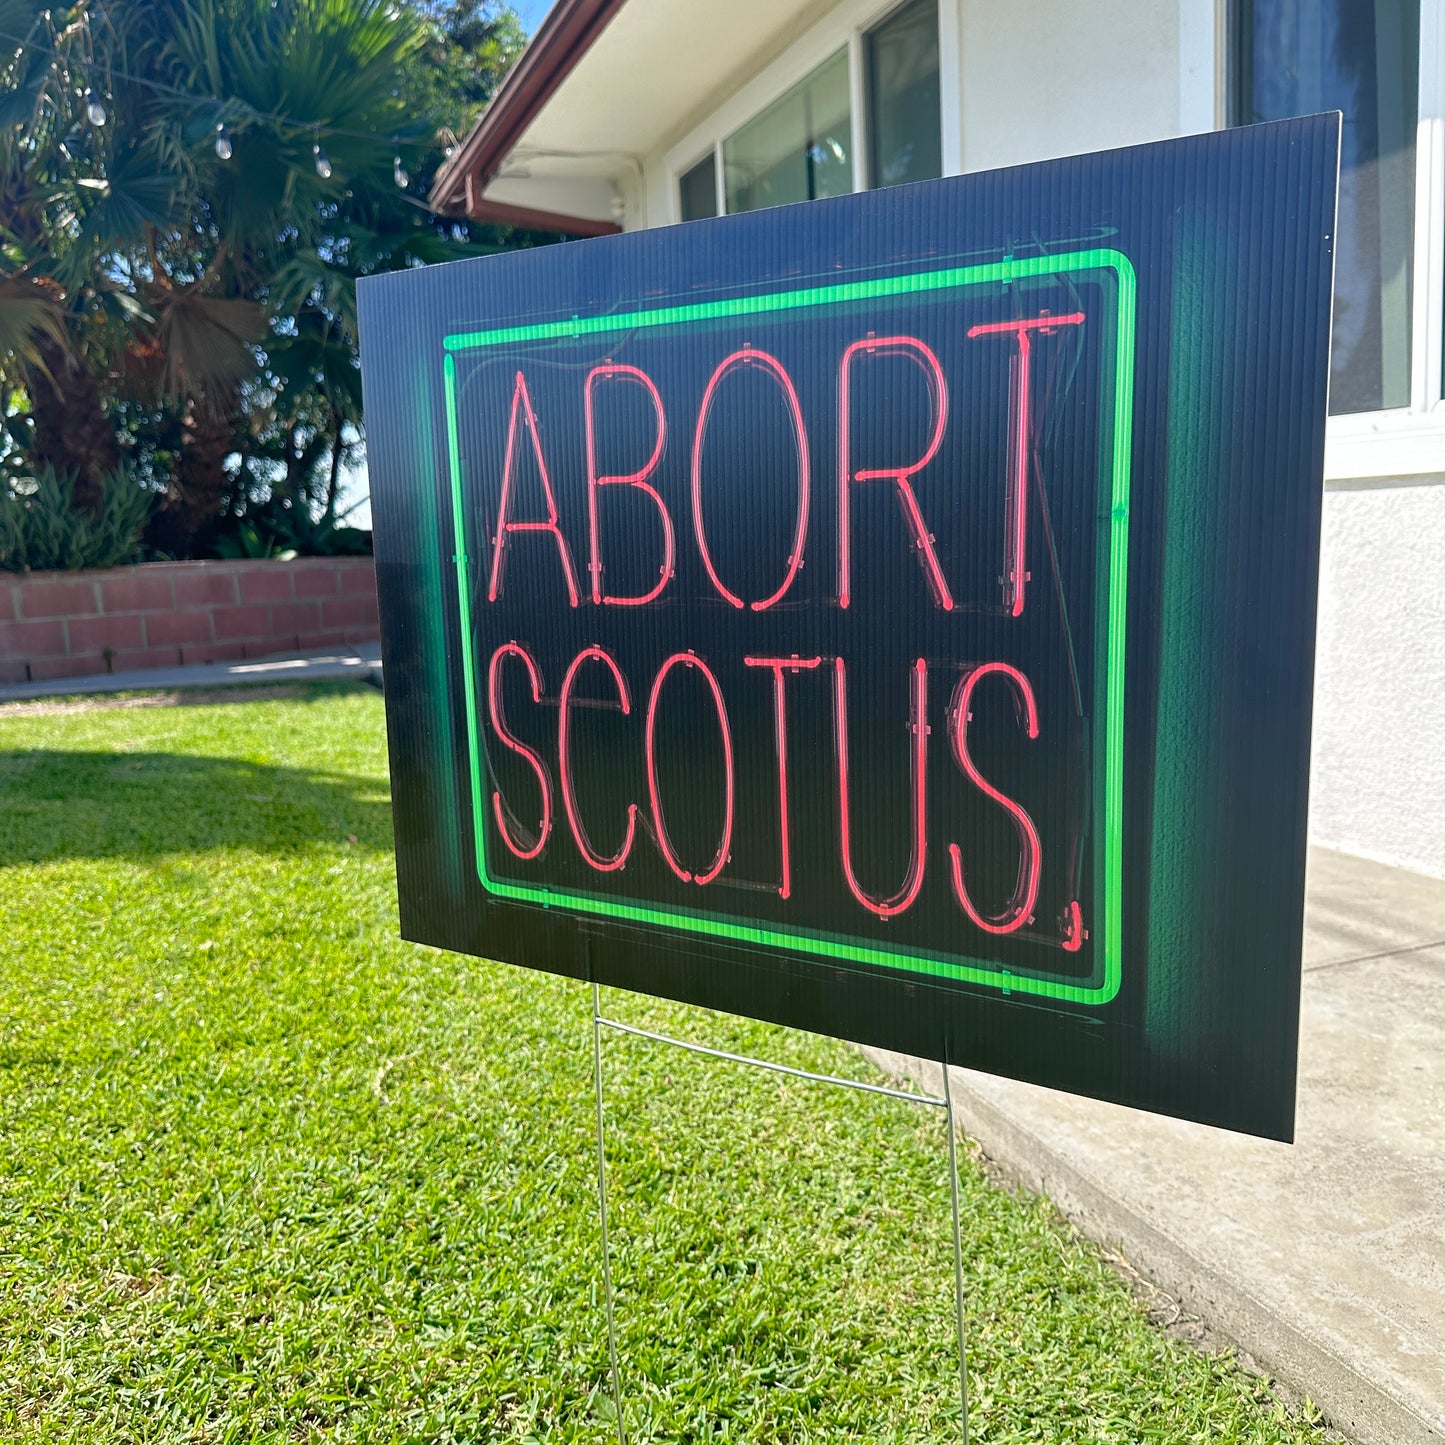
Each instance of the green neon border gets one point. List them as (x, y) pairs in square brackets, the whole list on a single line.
[(1118, 564)]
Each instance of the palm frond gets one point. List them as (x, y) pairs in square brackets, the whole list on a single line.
[(208, 341), (27, 317)]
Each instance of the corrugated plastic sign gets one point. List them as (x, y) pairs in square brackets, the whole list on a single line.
[(892, 616)]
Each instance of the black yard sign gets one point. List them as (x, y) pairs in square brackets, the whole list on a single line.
[(891, 616)]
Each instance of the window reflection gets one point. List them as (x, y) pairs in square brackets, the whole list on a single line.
[(1361, 57), (799, 148), (905, 132), (697, 190)]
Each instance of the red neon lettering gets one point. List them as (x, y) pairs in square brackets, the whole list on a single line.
[(780, 665), (499, 722), (636, 479), (918, 726), (664, 842), (1016, 497), (748, 357), (522, 400), (564, 763), (916, 351), (1020, 907), (1074, 931)]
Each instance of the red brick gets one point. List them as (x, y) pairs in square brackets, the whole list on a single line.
[(319, 580), (140, 592), (178, 628), (205, 584), (95, 634), (26, 640), (54, 597), (349, 612), (268, 582), (355, 635), (146, 657), (358, 579), (42, 669), (319, 641), (241, 622), (213, 652), (7, 601), (292, 617), (12, 672)]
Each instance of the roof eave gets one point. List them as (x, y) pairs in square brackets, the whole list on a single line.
[(564, 37), (529, 218)]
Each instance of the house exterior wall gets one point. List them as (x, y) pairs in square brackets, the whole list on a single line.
[(1041, 78), (1044, 79), (1377, 786), (1027, 81)]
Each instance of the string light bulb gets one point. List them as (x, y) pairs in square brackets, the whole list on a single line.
[(223, 141)]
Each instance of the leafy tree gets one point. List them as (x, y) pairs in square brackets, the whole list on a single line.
[(469, 47), (177, 276)]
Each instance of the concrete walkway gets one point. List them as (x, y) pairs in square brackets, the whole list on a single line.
[(362, 662), (1325, 1260)]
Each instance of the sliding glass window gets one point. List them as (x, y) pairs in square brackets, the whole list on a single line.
[(799, 148), (905, 129), (697, 190), (1361, 57)]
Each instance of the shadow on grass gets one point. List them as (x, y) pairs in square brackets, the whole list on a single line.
[(58, 804)]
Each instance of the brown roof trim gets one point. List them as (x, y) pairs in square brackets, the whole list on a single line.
[(564, 37), (480, 208)]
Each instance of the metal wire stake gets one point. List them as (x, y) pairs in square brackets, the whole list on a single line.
[(772, 1068), (958, 1296), (602, 1214)]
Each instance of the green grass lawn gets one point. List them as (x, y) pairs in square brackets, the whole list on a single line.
[(269, 1173)]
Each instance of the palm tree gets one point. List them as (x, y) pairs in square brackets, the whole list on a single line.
[(56, 301), (188, 268)]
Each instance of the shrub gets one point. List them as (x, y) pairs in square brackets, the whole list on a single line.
[(41, 528), (278, 529)]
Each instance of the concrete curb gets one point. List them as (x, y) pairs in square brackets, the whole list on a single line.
[(1354, 1404), (362, 664)]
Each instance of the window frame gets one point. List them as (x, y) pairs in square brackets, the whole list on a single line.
[(1406, 441), (713, 153), (838, 51), (868, 114), (793, 66)]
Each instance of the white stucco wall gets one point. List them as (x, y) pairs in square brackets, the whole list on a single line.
[(1377, 785), (1043, 79)]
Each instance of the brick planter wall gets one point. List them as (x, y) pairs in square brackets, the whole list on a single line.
[(165, 614)]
